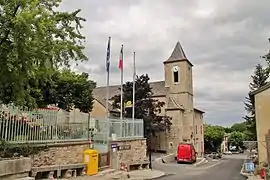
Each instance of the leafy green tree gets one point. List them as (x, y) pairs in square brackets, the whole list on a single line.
[(146, 107), (74, 91), (68, 90), (35, 38), (259, 79), (213, 137), (239, 127), (236, 138)]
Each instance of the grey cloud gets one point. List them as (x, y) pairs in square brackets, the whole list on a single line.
[(223, 39)]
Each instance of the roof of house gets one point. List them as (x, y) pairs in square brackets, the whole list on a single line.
[(178, 54), (158, 89), (261, 89), (99, 93)]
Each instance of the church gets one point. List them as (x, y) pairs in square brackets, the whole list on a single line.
[(176, 90)]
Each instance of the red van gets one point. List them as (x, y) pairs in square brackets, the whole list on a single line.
[(186, 153)]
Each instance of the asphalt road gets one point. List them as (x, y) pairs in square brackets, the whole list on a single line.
[(225, 169)]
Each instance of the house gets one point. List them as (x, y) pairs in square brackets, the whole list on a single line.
[(225, 145), (177, 93), (261, 99)]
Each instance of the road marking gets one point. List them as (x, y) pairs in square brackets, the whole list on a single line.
[(213, 165)]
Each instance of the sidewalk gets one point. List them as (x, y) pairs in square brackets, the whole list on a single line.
[(247, 175), (134, 175), (253, 177)]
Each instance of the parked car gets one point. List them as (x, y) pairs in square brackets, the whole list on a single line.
[(228, 153), (215, 155), (186, 153)]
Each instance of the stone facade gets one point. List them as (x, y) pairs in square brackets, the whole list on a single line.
[(60, 154), (136, 153), (177, 93)]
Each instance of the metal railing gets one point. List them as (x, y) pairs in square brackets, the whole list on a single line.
[(126, 128), (119, 129), (56, 125), (40, 125)]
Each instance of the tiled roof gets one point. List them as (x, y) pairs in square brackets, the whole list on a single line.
[(178, 54), (261, 89), (99, 93)]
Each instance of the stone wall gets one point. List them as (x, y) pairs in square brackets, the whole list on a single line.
[(14, 168), (60, 154), (136, 153)]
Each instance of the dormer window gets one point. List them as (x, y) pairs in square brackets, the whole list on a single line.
[(175, 74)]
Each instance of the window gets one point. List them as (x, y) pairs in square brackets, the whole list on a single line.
[(196, 129), (175, 77), (201, 129), (175, 74)]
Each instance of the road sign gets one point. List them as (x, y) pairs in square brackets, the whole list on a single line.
[(249, 166)]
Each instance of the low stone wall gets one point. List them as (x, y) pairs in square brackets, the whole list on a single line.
[(131, 151), (15, 168), (60, 154)]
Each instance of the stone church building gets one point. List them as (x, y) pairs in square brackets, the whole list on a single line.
[(177, 92)]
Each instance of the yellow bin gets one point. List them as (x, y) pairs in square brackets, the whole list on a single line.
[(90, 158)]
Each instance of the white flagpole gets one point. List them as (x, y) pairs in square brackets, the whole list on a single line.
[(107, 88), (121, 103), (133, 93), (108, 76)]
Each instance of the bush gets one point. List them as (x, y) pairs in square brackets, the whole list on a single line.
[(17, 150)]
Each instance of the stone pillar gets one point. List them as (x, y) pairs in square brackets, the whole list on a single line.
[(113, 156)]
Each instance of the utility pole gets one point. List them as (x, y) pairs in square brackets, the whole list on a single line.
[(149, 139)]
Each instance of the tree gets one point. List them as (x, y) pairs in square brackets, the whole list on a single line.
[(68, 90), (236, 139), (213, 137), (35, 39), (146, 107), (239, 127), (259, 79), (74, 91), (267, 56)]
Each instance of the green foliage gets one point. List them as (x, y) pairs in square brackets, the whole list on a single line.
[(73, 90), (213, 137), (267, 57), (153, 122), (259, 78), (236, 138), (16, 150), (239, 127), (35, 40), (68, 90)]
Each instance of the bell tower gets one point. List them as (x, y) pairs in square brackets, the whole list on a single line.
[(179, 97), (178, 77)]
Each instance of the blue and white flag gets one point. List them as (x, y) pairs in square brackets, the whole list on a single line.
[(108, 55)]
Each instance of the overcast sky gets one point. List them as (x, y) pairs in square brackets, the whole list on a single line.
[(223, 39)]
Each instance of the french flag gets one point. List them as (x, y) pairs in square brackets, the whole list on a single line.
[(121, 63)]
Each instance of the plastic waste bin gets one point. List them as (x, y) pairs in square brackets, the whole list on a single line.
[(91, 160)]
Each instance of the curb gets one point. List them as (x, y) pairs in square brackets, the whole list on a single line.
[(165, 159), (203, 161), (247, 175), (156, 177)]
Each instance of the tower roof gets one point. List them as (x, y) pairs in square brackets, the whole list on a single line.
[(178, 54)]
